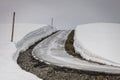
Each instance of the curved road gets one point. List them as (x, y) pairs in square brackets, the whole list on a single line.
[(52, 51)]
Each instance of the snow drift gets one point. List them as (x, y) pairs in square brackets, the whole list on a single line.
[(33, 37), (99, 42)]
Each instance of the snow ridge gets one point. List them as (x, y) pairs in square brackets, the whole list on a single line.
[(33, 37)]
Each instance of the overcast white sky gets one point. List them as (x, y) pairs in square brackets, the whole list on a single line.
[(66, 13)]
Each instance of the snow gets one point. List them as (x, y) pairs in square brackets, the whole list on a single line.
[(99, 42), (20, 31), (33, 37), (9, 70), (52, 51), (9, 51)]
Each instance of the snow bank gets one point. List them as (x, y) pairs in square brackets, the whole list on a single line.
[(99, 42), (33, 37)]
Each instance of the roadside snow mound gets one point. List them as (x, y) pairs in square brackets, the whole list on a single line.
[(99, 42), (33, 37)]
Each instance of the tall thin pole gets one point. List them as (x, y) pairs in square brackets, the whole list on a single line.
[(13, 22), (52, 21)]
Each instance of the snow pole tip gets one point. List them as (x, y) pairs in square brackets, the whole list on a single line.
[(52, 21)]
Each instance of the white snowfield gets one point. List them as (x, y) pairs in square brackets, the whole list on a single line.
[(99, 42), (9, 69), (52, 51)]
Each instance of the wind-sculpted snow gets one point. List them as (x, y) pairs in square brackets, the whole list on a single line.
[(98, 42), (51, 51), (33, 37)]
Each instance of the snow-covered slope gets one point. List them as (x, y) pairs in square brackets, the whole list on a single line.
[(99, 42), (9, 69)]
